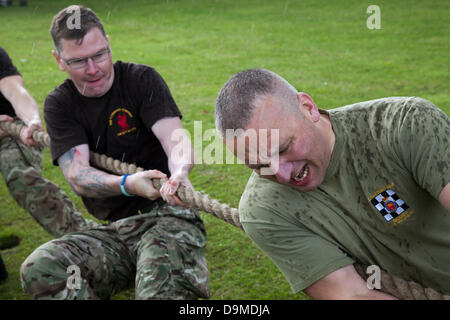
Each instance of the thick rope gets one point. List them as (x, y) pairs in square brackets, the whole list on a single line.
[(399, 288), (197, 200)]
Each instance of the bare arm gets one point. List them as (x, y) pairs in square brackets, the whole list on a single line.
[(344, 284), (24, 105), (180, 154), (444, 197), (84, 179), (93, 183)]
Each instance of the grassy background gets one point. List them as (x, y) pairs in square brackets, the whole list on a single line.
[(322, 47)]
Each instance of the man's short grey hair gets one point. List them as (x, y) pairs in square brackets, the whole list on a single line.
[(236, 100)]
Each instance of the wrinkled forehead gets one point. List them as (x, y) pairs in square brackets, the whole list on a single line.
[(270, 112), (253, 146)]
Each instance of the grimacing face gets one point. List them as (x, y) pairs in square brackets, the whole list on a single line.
[(96, 78), (301, 157)]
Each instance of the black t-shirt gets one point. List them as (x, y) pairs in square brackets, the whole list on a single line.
[(117, 124), (6, 69)]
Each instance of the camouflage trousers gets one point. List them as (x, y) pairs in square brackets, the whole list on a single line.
[(162, 251), (20, 166)]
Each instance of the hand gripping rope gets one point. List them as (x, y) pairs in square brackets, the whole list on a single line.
[(402, 289)]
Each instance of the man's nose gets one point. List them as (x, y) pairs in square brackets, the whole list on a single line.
[(283, 174), (92, 67)]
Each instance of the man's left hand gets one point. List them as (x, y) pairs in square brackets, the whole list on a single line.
[(169, 188)]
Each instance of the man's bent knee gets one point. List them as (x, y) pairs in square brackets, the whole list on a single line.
[(171, 262), (44, 275)]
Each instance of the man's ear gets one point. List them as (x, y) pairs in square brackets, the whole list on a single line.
[(308, 107), (61, 64)]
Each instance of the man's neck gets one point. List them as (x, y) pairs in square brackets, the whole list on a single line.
[(327, 129)]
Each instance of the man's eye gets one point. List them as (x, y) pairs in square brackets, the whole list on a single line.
[(77, 61), (284, 150)]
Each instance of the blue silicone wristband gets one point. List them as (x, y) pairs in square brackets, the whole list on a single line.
[(122, 187)]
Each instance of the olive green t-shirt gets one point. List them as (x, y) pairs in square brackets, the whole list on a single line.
[(377, 204)]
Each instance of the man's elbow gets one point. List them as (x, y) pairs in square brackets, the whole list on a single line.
[(367, 294), (74, 185), (77, 190), (444, 197), (344, 284)]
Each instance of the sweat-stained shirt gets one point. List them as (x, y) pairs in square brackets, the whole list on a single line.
[(377, 204)]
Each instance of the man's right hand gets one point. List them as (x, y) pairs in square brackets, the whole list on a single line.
[(26, 135), (90, 182), (141, 184), (4, 117)]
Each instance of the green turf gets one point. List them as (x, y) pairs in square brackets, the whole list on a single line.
[(322, 47)]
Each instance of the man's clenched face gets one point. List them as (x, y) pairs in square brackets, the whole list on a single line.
[(303, 152)]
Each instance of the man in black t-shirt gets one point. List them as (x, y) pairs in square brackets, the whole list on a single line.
[(127, 112), (20, 159)]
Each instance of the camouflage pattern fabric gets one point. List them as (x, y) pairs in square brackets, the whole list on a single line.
[(162, 250), (20, 166)]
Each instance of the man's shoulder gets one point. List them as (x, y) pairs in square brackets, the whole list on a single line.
[(130, 70), (390, 104), (7, 67), (60, 94), (374, 115)]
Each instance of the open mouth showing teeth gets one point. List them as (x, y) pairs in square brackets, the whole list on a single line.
[(302, 175)]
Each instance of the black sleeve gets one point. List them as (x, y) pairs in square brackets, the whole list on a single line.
[(157, 101), (64, 130), (6, 66)]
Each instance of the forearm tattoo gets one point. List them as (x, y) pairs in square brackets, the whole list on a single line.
[(85, 180), (65, 162)]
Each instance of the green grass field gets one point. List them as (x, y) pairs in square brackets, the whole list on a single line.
[(323, 48)]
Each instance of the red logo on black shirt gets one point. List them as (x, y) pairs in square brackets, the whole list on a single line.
[(120, 119), (122, 122)]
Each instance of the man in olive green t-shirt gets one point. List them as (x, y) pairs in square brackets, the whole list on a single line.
[(366, 183)]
